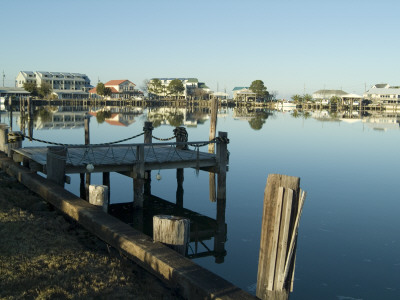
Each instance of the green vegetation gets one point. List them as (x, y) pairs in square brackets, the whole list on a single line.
[(175, 87), (258, 121), (258, 87), (31, 87), (101, 116)]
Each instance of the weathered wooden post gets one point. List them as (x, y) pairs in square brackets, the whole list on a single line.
[(138, 178), (283, 202), (148, 139), (222, 158), (4, 138), (98, 195), (172, 231), (84, 185), (56, 159), (181, 137)]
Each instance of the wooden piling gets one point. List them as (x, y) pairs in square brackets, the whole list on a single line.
[(98, 195), (172, 231), (56, 157), (138, 178), (222, 158), (148, 139), (281, 212)]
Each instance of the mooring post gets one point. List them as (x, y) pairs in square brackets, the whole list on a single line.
[(179, 189), (222, 158), (138, 178), (14, 142), (87, 142), (283, 202), (98, 195), (172, 231), (56, 159), (148, 139), (4, 138), (106, 182), (181, 136)]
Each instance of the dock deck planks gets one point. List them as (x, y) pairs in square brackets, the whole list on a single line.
[(124, 157)]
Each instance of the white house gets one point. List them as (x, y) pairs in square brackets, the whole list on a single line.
[(120, 89), (64, 85), (383, 94), (243, 94), (193, 88)]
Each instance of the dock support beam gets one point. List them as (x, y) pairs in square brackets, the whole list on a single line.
[(56, 157)]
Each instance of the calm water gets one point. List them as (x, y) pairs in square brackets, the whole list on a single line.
[(348, 244)]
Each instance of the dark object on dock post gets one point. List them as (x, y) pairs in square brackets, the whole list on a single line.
[(283, 202), (172, 231), (56, 158), (87, 142)]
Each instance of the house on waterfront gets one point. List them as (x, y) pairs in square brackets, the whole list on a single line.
[(383, 94), (243, 94), (193, 89), (6, 92), (327, 94), (120, 89), (64, 85)]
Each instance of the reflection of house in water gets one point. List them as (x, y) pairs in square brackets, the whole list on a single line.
[(382, 121), (117, 116), (176, 116), (60, 118), (244, 113)]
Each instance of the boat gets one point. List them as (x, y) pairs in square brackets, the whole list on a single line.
[(285, 105)]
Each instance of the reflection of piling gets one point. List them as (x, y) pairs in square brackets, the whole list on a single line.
[(283, 201), (211, 146)]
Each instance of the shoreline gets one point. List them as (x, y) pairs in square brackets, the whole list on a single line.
[(45, 255)]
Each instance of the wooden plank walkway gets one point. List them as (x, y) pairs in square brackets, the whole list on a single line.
[(122, 158)]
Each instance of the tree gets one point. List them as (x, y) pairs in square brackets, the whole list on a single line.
[(31, 87), (45, 89), (107, 91), (258, 87), (155, 87), (307, 97), (100, 89), (176, 87), (296, 98)]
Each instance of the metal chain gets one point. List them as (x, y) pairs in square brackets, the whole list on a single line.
[(17, 136)]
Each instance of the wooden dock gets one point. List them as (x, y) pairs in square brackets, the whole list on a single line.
[(119, 158)]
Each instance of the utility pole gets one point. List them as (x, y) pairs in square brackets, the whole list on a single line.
[(4, 76)]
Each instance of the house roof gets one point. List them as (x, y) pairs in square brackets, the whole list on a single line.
[(117, 82), (336, 92), (238, 88), (113, 90)]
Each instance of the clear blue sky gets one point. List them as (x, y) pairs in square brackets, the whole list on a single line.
[(293, 46)]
